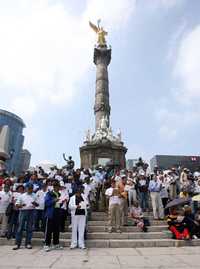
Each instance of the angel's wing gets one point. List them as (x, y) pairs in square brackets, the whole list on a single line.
[(93, 26)]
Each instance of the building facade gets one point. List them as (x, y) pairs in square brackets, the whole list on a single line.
[(169, 161), (16, 139)]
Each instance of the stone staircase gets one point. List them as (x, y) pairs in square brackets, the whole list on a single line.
[(131, 236)]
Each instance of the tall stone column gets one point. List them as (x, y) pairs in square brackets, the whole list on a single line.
[(102, 57)]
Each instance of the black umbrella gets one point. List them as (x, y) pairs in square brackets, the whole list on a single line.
[(177, 202)]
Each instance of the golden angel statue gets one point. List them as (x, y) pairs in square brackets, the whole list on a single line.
[(100, 32)]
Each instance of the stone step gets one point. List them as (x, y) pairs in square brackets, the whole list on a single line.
[(107, 236), (105, 214), (115, 243), (105, 217), (104, 223), (130, 229)]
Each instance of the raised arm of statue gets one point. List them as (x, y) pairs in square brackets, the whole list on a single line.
[(64, 157)]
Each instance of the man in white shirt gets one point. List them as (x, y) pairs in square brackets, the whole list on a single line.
[(114, 208), (27, 204), (5, 200), (39, 218)]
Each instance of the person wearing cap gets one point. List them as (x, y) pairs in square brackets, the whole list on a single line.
[(26, 204), (52, 215), (78, 207)]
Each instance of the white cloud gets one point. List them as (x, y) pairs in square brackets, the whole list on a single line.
[(45, 51), (182, 112), (24, 106), (174, 121), (174, 42), (115, 13), (188, 65)]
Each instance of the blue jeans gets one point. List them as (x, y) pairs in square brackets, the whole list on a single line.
[(143, 196), (26, 219)]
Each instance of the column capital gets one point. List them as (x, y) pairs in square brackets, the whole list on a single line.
[(102, 55)]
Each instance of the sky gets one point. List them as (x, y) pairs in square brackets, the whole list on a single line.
[(47, 75)]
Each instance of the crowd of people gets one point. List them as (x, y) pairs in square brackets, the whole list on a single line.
[(63, 199)]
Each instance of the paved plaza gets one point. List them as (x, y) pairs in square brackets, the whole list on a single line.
[(185, 257)]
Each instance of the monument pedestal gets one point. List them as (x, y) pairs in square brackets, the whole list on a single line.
[(102, 154)]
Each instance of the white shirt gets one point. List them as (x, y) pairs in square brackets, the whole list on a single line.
[(113, 200), (40, 196), (68, 187), (26, 199), (87, 189), (15, 196), (83, 176), (58, 177), (63, 196), (117, 178), (5, 199)]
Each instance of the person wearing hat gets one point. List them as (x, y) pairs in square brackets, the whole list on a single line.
[(78, 207), (52, 215), (26, 204)]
